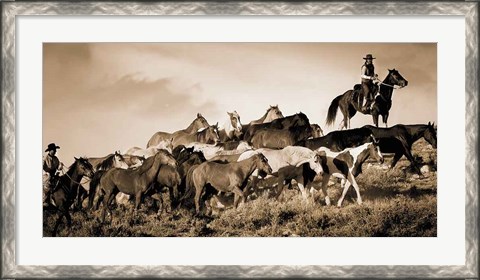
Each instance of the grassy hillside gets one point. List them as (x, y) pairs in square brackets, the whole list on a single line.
[(395, 203)]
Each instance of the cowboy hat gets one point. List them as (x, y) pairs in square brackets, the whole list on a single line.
[(369, 56), (52, 146)]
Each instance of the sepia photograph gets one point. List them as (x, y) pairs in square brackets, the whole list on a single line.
[(304, 139)]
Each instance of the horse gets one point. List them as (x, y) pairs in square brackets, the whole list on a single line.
[(151, 151), (399, 139), (288, 156), (272, 113), (232, 130), (132, 181), (348, 101), (281, 123), (115, 160), (317, 131), (133, 161), (199, 123), (111, 159), (346, 165), (186, 161), (169, 179), (207, 135), (228, 177), (339, 140), (211, 150), (280, 138), (66, 189)]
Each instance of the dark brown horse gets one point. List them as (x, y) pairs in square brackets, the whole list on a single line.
[(228, 177), (65, 191), (280, 138), (348, 102), (339, 140), (299, 119), (132, 182), (399, 139)]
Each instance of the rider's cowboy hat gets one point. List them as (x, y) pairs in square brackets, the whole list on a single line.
[(52, 146), (369, 56)]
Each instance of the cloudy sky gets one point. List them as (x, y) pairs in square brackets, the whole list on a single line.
[(99, 97)]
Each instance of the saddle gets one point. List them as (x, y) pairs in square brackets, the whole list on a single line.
[(358, 91)]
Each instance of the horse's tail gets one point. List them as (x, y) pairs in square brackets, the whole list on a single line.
[(332, 110), (93, 187), (189, 185)]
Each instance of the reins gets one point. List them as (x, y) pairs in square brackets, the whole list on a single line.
[(65, 173)]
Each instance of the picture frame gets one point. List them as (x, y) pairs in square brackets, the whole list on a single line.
[(11, 10)]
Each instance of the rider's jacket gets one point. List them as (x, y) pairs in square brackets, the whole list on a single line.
[(50, 164), (367, 70)]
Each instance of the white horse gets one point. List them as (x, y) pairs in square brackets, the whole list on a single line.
[(211, 150), (151, 151), (346, 165), (232, 129)]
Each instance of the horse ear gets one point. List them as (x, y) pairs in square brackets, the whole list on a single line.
[(75, 158), (429, 124), (199, 115)]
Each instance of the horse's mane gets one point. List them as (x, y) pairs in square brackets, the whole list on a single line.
[(76, 162), (106, 163), (299, 152)]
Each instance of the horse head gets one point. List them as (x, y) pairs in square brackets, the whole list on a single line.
[(430, 134), (235, 121), (374, 152), (166, 158), (84, 167), (200, 122), (395, 78), (262, 163), (316, 131), (273, 113), (119, 161)]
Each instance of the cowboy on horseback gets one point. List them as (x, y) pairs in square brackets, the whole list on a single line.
[(368, 87), (51, 165)]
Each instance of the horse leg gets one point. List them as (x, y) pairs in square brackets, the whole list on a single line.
[(350, 181), (301, 186), (323, 189), (413, 163), (396, 158), (158, 197), (375, 117), (385, 119), (238, 195), (138, 199), (57, 223), (106, 205), (198, 194)]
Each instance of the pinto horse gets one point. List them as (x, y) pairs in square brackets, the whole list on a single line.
[(280, 138), (132, 182), (199, 123), (66, 190), (340, 140), (299, 119), (228, 177), (399, 139), (232, 130), (211, 150), (346, 165), (348, 102)]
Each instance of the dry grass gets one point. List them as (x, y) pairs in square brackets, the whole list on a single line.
[(396, 203)]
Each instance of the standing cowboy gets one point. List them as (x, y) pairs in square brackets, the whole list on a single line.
[(51, 165), (368, 77)]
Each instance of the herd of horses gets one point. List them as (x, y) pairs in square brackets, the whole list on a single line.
[(203, 165)]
